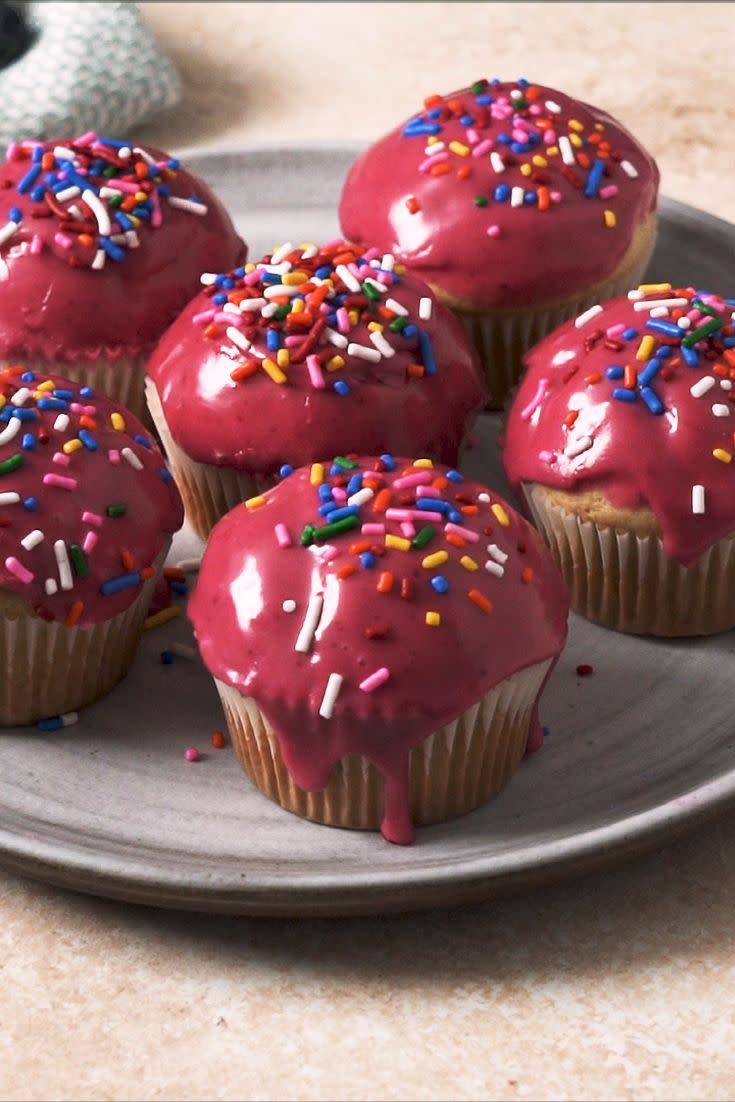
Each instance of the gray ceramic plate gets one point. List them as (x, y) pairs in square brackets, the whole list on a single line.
[(642, 749)]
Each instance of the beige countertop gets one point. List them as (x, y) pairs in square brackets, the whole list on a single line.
[(617, 985)]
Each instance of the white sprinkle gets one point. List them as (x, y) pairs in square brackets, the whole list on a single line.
[(51, 587), (132, 239), (100, 258), (289, 605), (497, 162), (388, 259), (379, 288), (32, 539), (553, 107), (629, 169), (109, 193), (720, 410), (565, 148), (339, 340), (396, 307), (62, 561), (189, 566), (652, 304), (61, 424), (208, 278), (576, 447), (698, 500), (75, 212), (361, 497), (142, 153), (132, 458), (726, 384), (494, 568), (237, 338), (9, 498), (99, 210), (495, 552), (660, 312), (187, 204), (382, 344), (12, 429), (21, 396), (347, 278), (7, 231), (270, 310), (425, 307), (249, 304), (230, 308), (275, 269), (125, 153), (484, 498), (516, 197), (684, 323), (334, 684), (282, 252), (310, 250), (635, 295), (68, 193), (588, 315), (62, 153), (311, 619), (364, 353), (702, 385), (275, 290)]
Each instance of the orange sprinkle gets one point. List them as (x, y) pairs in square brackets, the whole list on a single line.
[(435, 170), (729, 356), (382, 501), (592, 379), (385, 582), (72, 616), (583, 160), (721, 370), (346, 570), (141, 170), (413, 206), (415, 371), (85, 239), (433, 100), (480, 600), (47, 161), (544, 197), (454, 539), (88, 422), (359, 547), (126, 558), (527, 575), (174, 574), (469, 510), (146, 572), (464, 171), (211, 331), (218, 740), (440, 482), (630, 377), (571, 417)]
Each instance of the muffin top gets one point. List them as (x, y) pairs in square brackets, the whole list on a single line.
[(635, 399), (86, 503), (101, 245), (312, 350), (364, 603), (503, 193)]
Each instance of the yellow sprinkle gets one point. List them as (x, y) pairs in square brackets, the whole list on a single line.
[(539, 161), (141, 196), (500, 514), (71, 446), (468, 562), (575, 140), (375, 327), (134, 219), (397, 543), (353, 316), (297, 306), (317, 474), (274, 371), (610, 219), (423, 464), (552, 151), (649, 288), (117, 421), (49, 384), (460, 149), (526, 169), (294, 279), (283, 357), (437, 558), (307, 245), (575, 124), (433, 619), (335, 363), (249, 268), (161, 617), (432, 140), (722, 455), (400, 269), (646, 347), (255, 502), (3, 400), (599, 126)]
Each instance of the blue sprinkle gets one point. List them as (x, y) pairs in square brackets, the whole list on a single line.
[(123, 221), (546, 731), (520, 147), (273, 340), (164, 190), (691, 356), (368, 560), (414, 130), (37, 154), (86, 392), (455, 516), (630, 334), (29, 179), (410, 332), (664, 352), (622, 394), (467, 120), (650, 371), (455, 476), (173, 163), (435, 113), (21, 414), (286, 470), (354, 484), (341, 387), (668, 328), (166, 658), (440, 584), (433, 505), (143, 441), (484, 100), (67, 395), (614, 372), (323, 272), (522, 82), (504, 139), (327, 508), (88, 440), (219, 299), (30, 503), (53, 723), (427, 352), (729, 342), (15, 215), (325, 490), (179, 588), (334, 469), (122, 581), (111, 248), (228, 283), (165, 474), (594, 178), (112, 142), (38, 193), (501, 193), (530, 197), (29, 441), (27, 377), (52, 403), (652, 400), (344, 511), (388, 462), (239, 272)]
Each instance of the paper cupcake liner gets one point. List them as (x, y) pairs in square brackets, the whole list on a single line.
[(49, 669), (208, 492), (626, 582), (454, 770), (121, 379)]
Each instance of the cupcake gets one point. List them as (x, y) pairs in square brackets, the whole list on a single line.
[(518, 205), (87, 511), (101, 245), (309, 352), (379, 631), (620, 440)]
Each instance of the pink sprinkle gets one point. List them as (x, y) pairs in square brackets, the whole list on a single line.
[(530, 409), (14, 152), (421, 478), (430, 491), (609, 191), (63, 240), (555, 196), (413, 514), (89, 541), (694, 315), (493, 231), (518, 135), (61, 459), (472, 136), (17, 568), (36, 245), (375, 680), (373, 529), (85, 139), (192, 754), (354, 269), (253, 277), (329, 552), (546, 456), (333, 243), (60, 480), (315, 372), (407, 529), (484, 147), (283, 535), (615, 330), (434, 159), (229, 317), (92, 518), (549, 137), (534, 109), (88, 411), (386, 278), (339, 493), (291, 341), (156, 215), (114, 456), (458, 530), (371, 254), (343, 320)]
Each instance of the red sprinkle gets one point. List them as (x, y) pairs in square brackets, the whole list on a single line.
[(585, 670)]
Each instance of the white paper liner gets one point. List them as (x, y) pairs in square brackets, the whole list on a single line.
[(626, 582), (121, 379), (49, 669), (454, 770)]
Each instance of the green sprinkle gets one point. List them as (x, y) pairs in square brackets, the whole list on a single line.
[(398, 325), (336, 529), (481, 201), (520, 103), (116, 510), (307, 536), (115, 201), (345, 464), (478, 87), (370, 291), (703, 331), (704, 308), (282, 311), (78, 560), (110, 171), (12, 464), (423, 537)]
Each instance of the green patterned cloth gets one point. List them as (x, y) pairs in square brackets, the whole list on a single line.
[(92, 66)]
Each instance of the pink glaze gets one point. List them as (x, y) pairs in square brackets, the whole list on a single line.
[(434, 673), (77, 514), (257, 425), (55, 307), (500, 254), (637, 458)]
